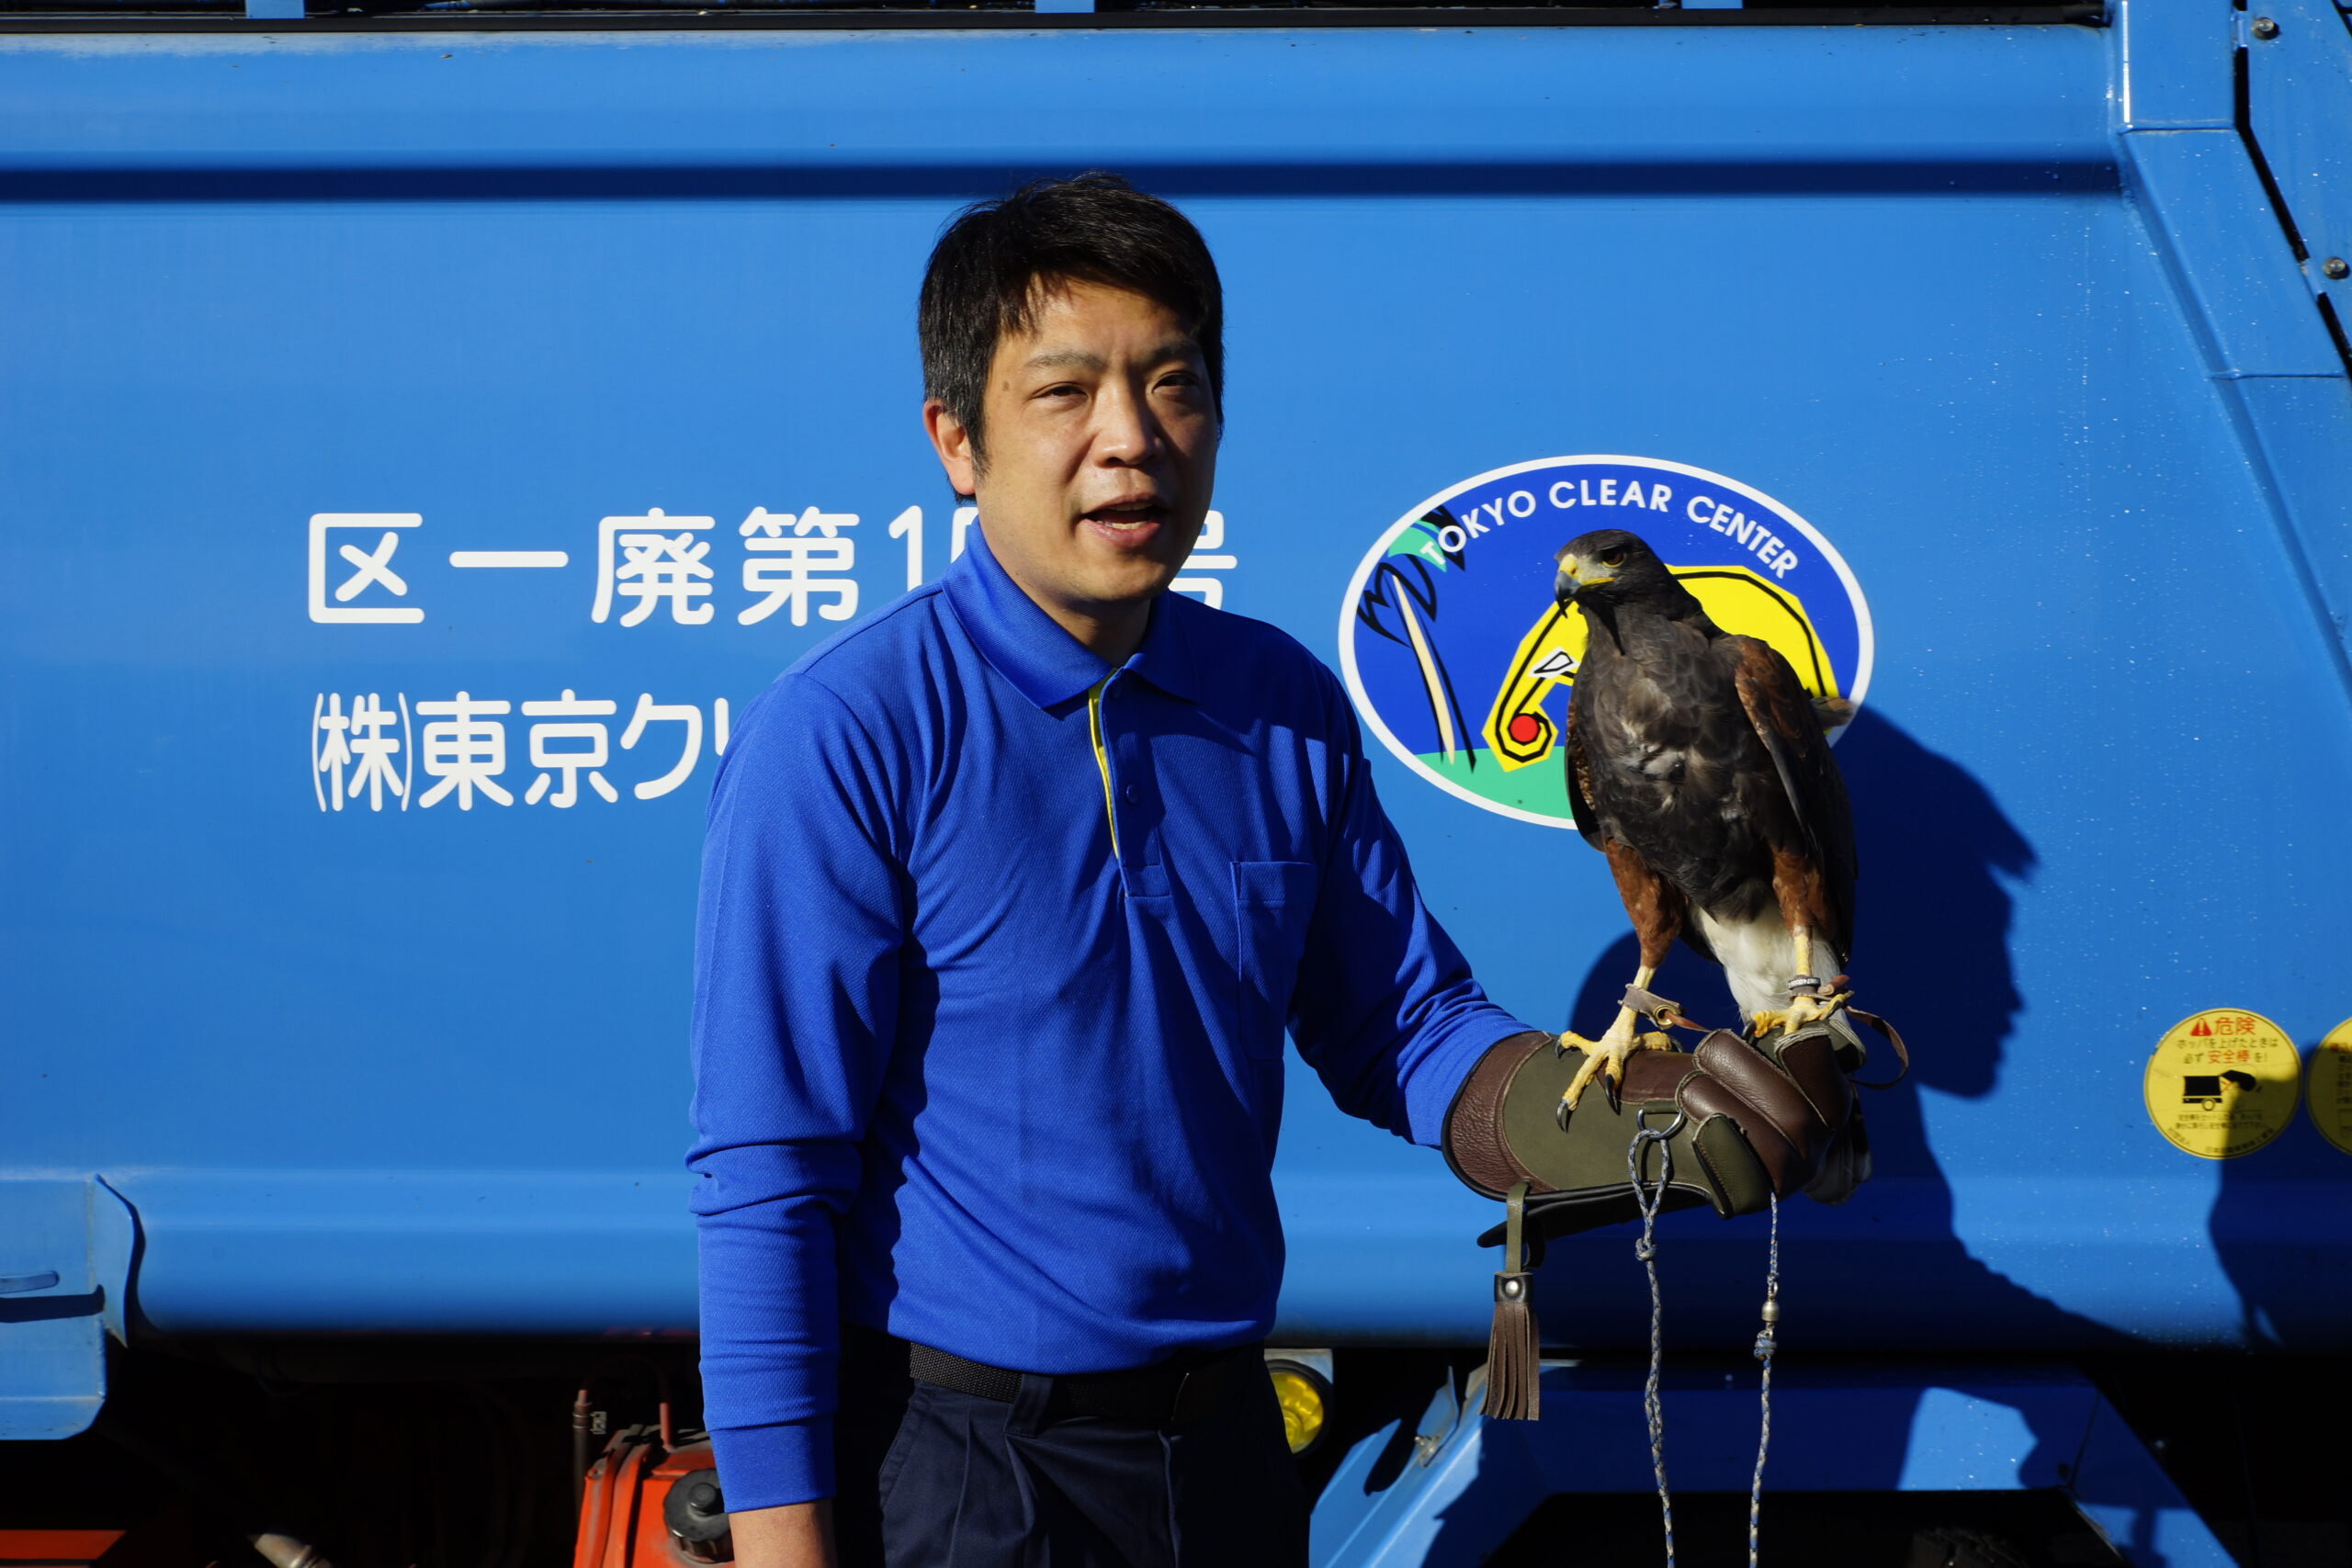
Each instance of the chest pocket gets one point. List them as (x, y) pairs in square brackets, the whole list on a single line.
[(1273, 902)]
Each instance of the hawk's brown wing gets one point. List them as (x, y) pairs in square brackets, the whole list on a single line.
[(1579, 781), (1785, 717)]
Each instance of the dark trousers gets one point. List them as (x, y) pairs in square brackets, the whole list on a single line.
[(932, 1478)]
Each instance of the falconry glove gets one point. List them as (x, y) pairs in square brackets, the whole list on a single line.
[(1741, 1123), (1758, 1121)]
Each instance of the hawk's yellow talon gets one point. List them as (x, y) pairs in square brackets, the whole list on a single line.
[(1605, 1059), (1598, 1062), (1812, 1009)]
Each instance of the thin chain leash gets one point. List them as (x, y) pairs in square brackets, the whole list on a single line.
[(1649, 1199), (1767, 1342)]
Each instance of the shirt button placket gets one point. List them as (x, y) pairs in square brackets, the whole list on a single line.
[(1125, 765), (1111, 760), (1128, 749)]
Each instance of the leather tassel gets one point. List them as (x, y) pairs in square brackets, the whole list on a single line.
[(1514, 1349)]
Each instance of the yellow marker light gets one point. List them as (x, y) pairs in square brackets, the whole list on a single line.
[(1302, 1395)]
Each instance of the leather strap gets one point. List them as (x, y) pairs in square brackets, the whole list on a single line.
[(1894, 1039), (1657, 1009), (1151, 1396)]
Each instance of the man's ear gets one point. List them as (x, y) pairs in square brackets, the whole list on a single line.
[(958, 453)]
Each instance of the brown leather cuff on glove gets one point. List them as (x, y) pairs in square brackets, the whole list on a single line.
[(1475, 1145), (1751, 1123)]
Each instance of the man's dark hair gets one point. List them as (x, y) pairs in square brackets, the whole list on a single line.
[(997, 259)]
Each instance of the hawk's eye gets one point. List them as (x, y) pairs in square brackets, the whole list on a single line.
[(1614, 558)]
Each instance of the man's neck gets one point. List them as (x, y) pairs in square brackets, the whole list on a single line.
[(1112, 637), (1111, 632)]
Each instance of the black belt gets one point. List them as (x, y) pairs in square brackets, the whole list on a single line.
[(1165, 1395)]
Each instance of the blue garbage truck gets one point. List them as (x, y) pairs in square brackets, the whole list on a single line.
[(430, 422)]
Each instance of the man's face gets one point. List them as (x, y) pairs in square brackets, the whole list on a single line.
[(1102, 450)]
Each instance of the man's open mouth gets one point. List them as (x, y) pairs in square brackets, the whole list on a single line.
[(1135, 521)]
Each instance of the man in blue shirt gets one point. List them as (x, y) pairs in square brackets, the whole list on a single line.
[(1010, 894)]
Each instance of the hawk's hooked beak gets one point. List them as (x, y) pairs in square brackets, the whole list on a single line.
[(1575, 575)]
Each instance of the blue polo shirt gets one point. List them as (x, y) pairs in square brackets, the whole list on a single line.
[(996, 953)]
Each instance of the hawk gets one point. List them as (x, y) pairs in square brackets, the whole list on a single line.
[(1698, 763)]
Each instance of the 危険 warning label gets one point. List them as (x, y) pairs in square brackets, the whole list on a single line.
[(2330, 1088), (2222, 1083)]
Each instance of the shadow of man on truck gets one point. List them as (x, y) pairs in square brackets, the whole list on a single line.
[(1886, 1273), (1885, 1277), (1934, 910)]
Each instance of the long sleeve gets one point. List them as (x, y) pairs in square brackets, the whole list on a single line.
[(798, 948), (1384, 1009)]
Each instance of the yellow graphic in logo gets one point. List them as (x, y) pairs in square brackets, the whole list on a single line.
[(2222, 1083), (1519, 733)]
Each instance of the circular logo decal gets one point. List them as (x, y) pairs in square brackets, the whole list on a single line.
[(2222, 1083), (1461, 660)]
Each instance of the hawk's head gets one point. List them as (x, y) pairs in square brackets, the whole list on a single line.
[(1608, 568)]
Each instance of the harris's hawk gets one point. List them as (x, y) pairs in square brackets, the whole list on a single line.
[(1698, 764)]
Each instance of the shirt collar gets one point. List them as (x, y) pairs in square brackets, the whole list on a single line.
[(1044, 662), (1166, 657)]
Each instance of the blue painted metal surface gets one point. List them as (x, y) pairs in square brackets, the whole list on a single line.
[(1466, 1483), (66, 1246), (2001, 310), (2298, 72)]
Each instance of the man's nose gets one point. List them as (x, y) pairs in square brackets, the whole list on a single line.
[(1124, 430)]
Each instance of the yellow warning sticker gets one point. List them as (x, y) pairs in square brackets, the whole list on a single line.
[(2331, 1087), (2223, 1083)]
